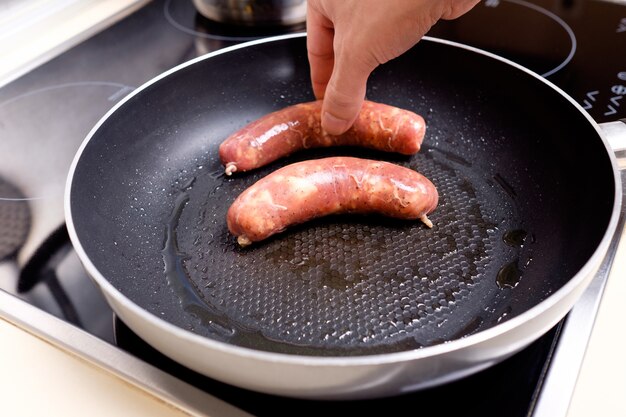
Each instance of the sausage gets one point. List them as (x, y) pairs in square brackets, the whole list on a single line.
[(278, 134), (306, 190)]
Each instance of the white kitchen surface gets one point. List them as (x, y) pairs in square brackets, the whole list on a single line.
[(602, 381), (39, 379)]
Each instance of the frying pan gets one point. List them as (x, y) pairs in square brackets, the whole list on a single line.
[(346, 306)]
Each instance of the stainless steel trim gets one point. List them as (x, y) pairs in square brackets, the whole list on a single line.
[(63, 335), (615, 133)]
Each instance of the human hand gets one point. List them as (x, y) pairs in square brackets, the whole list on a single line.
[(347, 39)]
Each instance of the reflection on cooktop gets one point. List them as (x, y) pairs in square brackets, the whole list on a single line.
[(38, 143), (40, 132), (526, 33), (573, 43)]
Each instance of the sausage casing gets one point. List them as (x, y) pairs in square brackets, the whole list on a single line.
[(305, 190), (278, 134)]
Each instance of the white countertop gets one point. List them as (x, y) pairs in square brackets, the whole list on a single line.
[(39, 378), (601, 383)]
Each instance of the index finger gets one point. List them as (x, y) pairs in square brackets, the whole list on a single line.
[(320, 34)]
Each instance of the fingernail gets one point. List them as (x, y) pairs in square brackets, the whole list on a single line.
[(334, 125)]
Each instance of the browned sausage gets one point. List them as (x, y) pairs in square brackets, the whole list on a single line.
[(283, 132), (306, 190)]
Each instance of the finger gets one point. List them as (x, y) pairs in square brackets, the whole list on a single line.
[(458, 8), (345, 92), (320, 35)]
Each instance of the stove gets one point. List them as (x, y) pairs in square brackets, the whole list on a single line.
[(46, 114)]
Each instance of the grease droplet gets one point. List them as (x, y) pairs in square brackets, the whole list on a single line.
[(509, 275), (515, 237)]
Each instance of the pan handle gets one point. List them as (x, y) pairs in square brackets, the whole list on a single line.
[(615, 133)]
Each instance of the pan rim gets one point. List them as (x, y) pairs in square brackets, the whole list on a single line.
[(586, 272)]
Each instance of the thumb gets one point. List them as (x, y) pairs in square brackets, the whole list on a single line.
[(344, 95)]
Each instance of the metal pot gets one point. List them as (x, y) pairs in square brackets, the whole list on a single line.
[(253, 12)]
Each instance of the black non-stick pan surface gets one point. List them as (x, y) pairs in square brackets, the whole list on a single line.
[(526, 194)]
